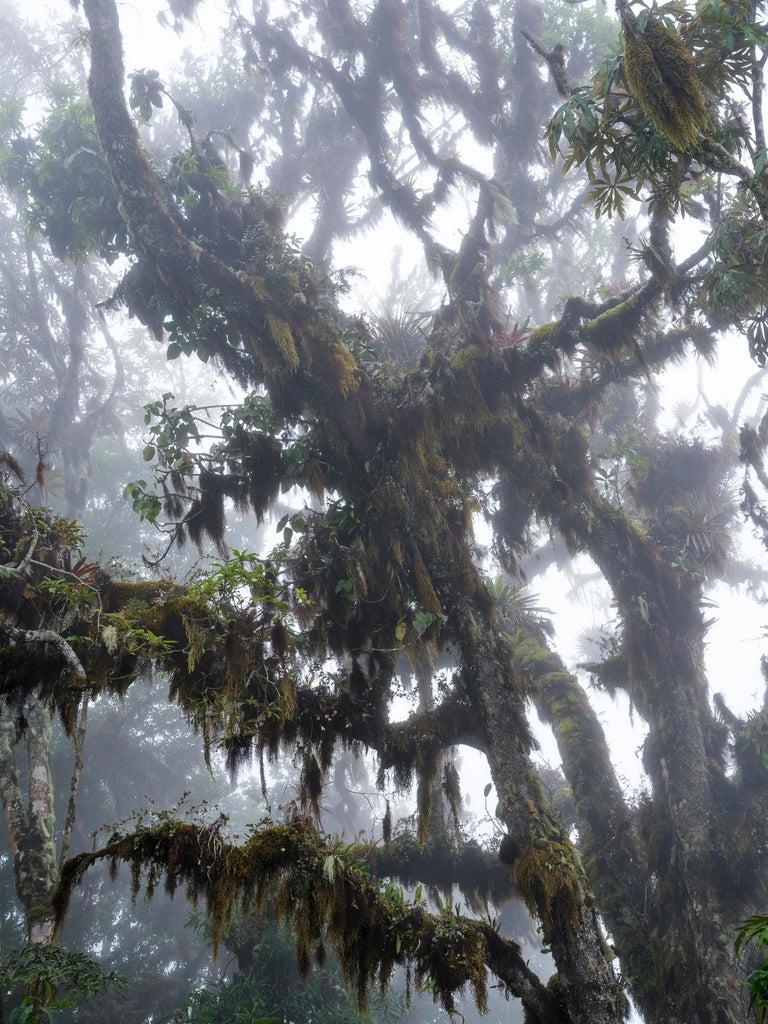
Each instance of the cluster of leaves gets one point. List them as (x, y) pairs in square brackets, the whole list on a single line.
[(146, 92), (754, 931), (245, 581), (52, 978), (737, 282), (70, 196), (627, 130)]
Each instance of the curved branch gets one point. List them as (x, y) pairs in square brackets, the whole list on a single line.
[(370, 926), (46, 636)]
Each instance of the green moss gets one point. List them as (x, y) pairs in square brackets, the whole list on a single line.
[(662, 76), (134, 594), (544, 333), (283, 339), (321, 891), (616, 329), (547, 879)]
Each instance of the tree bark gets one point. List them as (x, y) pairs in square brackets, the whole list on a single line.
[(546, 867), (31, 830)]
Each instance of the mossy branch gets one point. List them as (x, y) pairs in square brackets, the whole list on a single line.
[(440, 864), (321, 890)]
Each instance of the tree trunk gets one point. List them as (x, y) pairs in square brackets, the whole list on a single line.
[(31, 831), (547, 871)]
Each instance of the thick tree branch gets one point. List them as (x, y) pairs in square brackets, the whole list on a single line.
[(14, 635), (324, 886)]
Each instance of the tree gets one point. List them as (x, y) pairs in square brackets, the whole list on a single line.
[(490, 413)]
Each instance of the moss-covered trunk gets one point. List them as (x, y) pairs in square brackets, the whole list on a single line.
[(546, 867), (30, 830), (694, 975)]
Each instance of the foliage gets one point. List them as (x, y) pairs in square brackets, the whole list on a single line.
[(404, 434), (270, 991), (64, 174), (754, 931), (54, 978)]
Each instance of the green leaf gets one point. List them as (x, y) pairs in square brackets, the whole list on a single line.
[(422, 621)]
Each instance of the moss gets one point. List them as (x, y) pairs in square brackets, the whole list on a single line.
[(452, 790), (544, 333), (547, 879), (282, 337), (477, 873), (311, 787), (134, 594), (662, 76), (424, 587), (321, 891), (616, 329)]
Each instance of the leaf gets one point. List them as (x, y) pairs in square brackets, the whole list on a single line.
[(400, 631), (149, 453), (487, 790), (422, 621), (504, 205), (754, 929)]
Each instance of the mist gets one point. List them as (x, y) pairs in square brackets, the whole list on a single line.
[(383, 512)]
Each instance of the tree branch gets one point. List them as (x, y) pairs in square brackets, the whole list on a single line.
[(371, 928)]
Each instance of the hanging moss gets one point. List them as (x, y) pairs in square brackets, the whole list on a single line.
[(386, 825), (615, 330), (321, 893), (426, 769), (311, 786), (452, 790), (425, 588), (282, 337), (662, 76), (547, 879)]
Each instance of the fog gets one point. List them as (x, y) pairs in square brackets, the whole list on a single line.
[(382, 511)]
